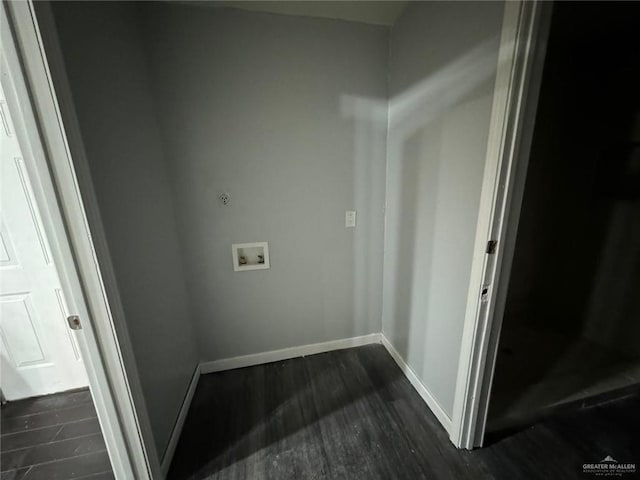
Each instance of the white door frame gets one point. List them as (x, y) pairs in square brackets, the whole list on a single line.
[(65, 195), (520, 64)]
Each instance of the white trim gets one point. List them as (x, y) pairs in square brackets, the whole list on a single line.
[(85, 281), (422, 390), (518, 45), (509, 219), (177, 428), (287, 353)]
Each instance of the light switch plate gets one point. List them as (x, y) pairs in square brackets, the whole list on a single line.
[(350, 219)]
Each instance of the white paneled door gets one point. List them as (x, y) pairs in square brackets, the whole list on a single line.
[(39, 352)]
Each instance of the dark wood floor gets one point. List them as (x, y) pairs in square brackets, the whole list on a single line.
[(539, 371), (53, 437), (351, 414)]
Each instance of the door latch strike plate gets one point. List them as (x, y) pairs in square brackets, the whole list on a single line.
[(74, 322), (492, 245)]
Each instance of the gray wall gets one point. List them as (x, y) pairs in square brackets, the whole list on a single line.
[(274, 110), (110, 89), (288, 115), (442, 70)]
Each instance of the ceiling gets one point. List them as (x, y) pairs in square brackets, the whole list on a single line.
[(372, 12)]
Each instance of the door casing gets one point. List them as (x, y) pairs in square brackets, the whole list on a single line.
[(520, 64)]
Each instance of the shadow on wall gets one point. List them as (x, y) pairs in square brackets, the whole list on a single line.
[(419, 165), (612, 315), (369, 149)]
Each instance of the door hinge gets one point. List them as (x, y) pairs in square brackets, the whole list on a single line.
[(74, 322), (492, 245)]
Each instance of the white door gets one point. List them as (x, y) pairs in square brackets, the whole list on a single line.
[(39, 353)]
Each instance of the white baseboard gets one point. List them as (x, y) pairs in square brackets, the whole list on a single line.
[(177, 428), (287, 353), (423, 391)]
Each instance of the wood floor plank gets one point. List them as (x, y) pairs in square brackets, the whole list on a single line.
[(53, 451), (29, 438), (39, 436), (47, 403), (352, 414), (45, 419), (18, 474), (78, 428), (71, 468), (99, 476)]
